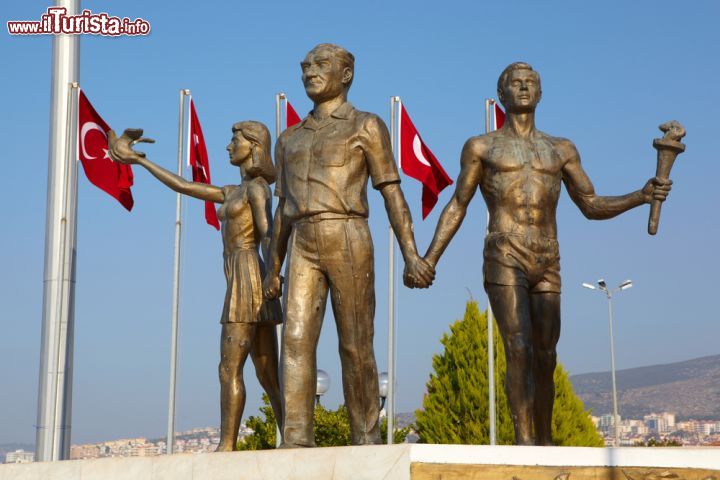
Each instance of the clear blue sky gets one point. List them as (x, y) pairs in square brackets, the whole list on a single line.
[(611, 73)]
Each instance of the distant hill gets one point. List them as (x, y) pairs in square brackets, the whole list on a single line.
[(690, 389), (403, 420)]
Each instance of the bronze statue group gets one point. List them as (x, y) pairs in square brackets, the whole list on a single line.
[(320, 233)]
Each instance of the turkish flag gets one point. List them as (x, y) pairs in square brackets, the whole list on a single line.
[(499, 116), (418, 162), (199, 163), (291, 116), (110, 177)]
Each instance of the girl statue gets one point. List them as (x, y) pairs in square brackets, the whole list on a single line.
[(248, 322)]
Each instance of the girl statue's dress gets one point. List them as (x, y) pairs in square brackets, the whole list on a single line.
[(244, 270)]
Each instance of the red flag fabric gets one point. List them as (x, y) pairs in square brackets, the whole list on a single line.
[(199, 163), (110, 177), (499, 116), (418, 162), (291, 116)]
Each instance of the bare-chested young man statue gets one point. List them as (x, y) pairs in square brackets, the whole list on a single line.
[(519, 171)]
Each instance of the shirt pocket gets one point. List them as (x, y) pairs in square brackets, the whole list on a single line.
[(330, 152)]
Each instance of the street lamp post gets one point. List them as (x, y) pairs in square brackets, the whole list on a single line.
[(384, 383), (322, 385), (609, 294)]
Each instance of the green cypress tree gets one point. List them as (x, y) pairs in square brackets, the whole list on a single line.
[(571, 426), (455, 407)]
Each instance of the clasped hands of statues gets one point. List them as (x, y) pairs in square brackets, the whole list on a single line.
[(418, 273)]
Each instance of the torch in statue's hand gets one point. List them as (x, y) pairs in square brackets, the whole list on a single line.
[(668, 148)]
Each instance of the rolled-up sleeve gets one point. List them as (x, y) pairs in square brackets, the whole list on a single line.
[(375, 140)]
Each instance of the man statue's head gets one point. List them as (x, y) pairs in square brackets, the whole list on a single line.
[(327, 71), (519, 88)]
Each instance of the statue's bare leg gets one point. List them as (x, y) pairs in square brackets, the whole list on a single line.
[(264, 355), (235, 344), (545, 310), (511, 307)]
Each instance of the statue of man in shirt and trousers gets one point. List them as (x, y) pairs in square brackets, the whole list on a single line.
[(324, 163)]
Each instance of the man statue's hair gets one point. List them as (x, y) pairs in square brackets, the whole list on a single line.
[(346, 58), (511, 68)]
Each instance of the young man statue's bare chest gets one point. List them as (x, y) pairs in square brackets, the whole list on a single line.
[(522, 176), (511, 153)]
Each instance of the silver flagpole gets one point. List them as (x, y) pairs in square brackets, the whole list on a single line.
[(394, 102), (279, 98), (176, 282), (56, 353), (490, 103)]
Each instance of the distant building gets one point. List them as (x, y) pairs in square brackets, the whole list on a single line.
[(634, 427), (19, 456), (660, 422), (79, 452), (144, 449), (670, 419), (705, 427), (688, 426), (655, 424), (605, 422)]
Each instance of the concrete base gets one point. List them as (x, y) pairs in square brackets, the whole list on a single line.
[(397, 462)]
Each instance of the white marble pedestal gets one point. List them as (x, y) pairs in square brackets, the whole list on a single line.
[(397, 462)]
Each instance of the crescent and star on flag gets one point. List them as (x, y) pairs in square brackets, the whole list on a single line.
[(86, 128)]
